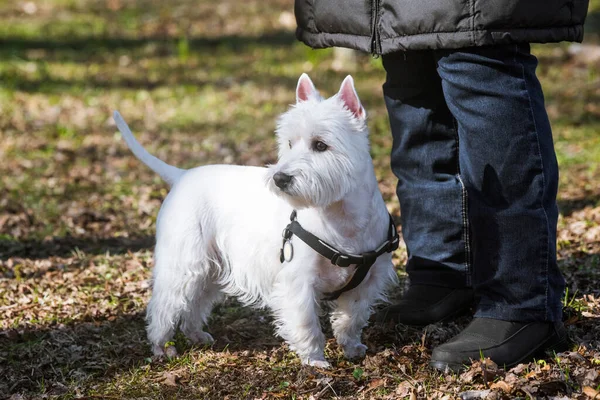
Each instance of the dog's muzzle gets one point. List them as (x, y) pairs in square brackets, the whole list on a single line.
[(282, 181)]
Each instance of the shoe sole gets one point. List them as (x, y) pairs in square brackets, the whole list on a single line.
[(557, 345)]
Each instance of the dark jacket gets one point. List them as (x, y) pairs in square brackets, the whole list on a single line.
[(385, 26)]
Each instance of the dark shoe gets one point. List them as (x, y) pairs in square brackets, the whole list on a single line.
[(506, 343), (424, 304)]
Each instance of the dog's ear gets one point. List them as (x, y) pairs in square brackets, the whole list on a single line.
[(306, 89), (348, 95)]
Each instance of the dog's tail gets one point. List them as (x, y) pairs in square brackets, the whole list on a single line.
[(168, 172)]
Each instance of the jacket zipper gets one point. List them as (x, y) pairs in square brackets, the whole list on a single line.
[(375, 40)]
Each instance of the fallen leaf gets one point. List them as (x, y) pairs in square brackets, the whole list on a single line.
[(403, 389), (467, 377), (518, 369), (169, 379), (374, 384), (591, 392), (530, 374), (502, 385)]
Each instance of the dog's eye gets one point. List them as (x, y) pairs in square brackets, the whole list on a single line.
[(290, 143), (317, 145)]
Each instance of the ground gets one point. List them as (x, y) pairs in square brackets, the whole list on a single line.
[(203, 82)]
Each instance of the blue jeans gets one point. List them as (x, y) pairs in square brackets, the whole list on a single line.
[(477, 177)]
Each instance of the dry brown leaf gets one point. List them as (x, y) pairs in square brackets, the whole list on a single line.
[(374, 384), (530, 374), (518, 369), (502, 385), (403, 389), (169, 379), (591, 392), (469, 376)]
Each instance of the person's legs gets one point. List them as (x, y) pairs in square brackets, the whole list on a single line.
[(432, 198), (508, 165)]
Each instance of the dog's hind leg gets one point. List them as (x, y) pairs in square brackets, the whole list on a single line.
[(164, 310), (195, 316), (179, 276)]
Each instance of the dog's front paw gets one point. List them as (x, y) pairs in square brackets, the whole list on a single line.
[(164, 351), (355, 351), (317, 363)]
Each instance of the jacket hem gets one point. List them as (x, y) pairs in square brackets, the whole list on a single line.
[(325, 40), (444, 40)]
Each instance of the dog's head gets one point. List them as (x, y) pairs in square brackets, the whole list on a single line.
[(323, 147)]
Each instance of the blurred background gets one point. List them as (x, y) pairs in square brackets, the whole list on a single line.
[(199, 82)]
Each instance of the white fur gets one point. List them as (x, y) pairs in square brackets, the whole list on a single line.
[(219, 232)]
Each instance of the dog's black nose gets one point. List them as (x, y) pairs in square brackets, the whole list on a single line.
[(282, 180)]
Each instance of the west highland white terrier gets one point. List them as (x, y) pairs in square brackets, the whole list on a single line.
[(219, 232)]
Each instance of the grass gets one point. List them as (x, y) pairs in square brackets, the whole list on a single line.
[(203, 83)]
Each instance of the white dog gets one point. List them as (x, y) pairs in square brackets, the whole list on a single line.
[(219, 232)]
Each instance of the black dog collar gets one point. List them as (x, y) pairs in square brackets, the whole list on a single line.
[(364, 261)]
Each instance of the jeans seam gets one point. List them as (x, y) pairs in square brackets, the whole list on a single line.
[(464, 208), (465, 220), (537, 139)]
